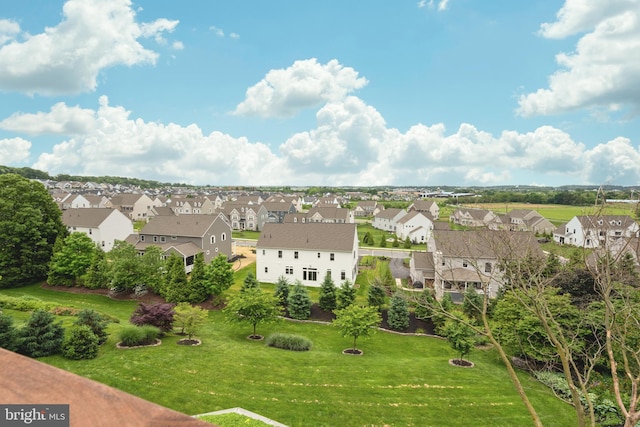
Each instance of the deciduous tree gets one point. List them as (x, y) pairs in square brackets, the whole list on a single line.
[(219, 275), (72, 261), (253, 307), (355, 321)]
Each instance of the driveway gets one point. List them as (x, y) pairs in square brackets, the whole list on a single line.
[(398, 270)]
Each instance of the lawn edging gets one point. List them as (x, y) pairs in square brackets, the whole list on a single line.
[(245, 413)]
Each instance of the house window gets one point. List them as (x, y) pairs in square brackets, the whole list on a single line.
[(266, 269), (174, 237), (263, 252), (310, 274), (163, 239), (464, 263), (332, 257), (213, 240), (155, 239), (343, 275), (90, 231), (142, 238), (279, 254), (223, 236), (295, 254), (329, 274), (288, 269), (103, 243), (487, 267), (318, 254)]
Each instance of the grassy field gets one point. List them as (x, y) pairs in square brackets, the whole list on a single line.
[(400, 380), (557, 214)]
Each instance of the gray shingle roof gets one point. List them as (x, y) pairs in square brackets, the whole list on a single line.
[(85, 217), (310, 236), (181, 225)]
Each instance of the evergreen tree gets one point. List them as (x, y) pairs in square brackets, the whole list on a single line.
[(175, 288), (376, 297), (41, 336), (281, 291), (407, 243), (395, 243), (299, 302), (8, 333), (198, 287), (346, 295), (95, 322), (250, 282), (424, 305), (152, 269), (81, 343), (383, 241), (472, 303), (398, 314), (327, 299)]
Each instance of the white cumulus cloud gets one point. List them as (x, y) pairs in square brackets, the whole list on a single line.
[(67, 58), (14, 150), (61, 120), (305, 84), (604, 70)]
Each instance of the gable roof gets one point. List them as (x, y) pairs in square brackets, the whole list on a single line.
[(411, 215), (329, 212), (86, 217), (309, 236), (475, 244), (182, 225), (389, 213)]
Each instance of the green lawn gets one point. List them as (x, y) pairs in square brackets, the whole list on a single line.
[(400, 380)]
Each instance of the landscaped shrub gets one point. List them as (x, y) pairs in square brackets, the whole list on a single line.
[(64, 311), (81, 343), (8, 333), (41, 336), (398, 314), (288, 342), (25, 303), (131, 336), (158, 315), (95, 321)]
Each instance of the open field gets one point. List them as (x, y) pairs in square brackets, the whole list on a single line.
[(557, 214), (400, 380)]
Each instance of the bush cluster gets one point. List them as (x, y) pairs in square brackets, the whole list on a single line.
[(288, 342), (131, 336), (25, 303)]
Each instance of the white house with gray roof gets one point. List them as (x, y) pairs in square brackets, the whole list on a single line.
[(104, 226), (415, 226), (388, 219), (592, 231), (307, 252)]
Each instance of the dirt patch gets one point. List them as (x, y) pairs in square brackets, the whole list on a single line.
[(246, 256)]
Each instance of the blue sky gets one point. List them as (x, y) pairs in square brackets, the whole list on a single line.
[(417, 93)]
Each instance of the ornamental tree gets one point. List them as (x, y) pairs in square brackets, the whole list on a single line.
[(189, 319), (299, 302), (41, 336), (253, 307), (356, 321), (158, 315), (398, 314)]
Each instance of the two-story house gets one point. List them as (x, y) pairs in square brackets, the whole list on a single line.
[(388, 219), (415, 226), (307, 252), (526, 220), (135, 206), (104, 226), (592, 231), (244, 216), (330, 214), (475, 218), (277, 210), (187, 235), (427, 207), (367, 208), (470, 259)]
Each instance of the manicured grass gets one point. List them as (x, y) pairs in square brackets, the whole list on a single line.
[(363, 228), (246, 234), (557, 214), (400, 380)]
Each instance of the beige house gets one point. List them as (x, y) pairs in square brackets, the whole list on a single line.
[(476, 218), (135, 206), (427, 207), (526, 220), (104, 226)]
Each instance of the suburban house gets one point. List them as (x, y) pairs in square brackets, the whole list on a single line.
[(464, 259), (388, 219), (526, 220), (192, 205), (104, 226), (75, 200), (245, 216), (367, 208), (96, 201), (307, 252), (187, 236), (415, 226), (427, 207), (278, 210), (327, 201), (135, 206), (330, 214), (475, 218), (286, 198), (592, 231)]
